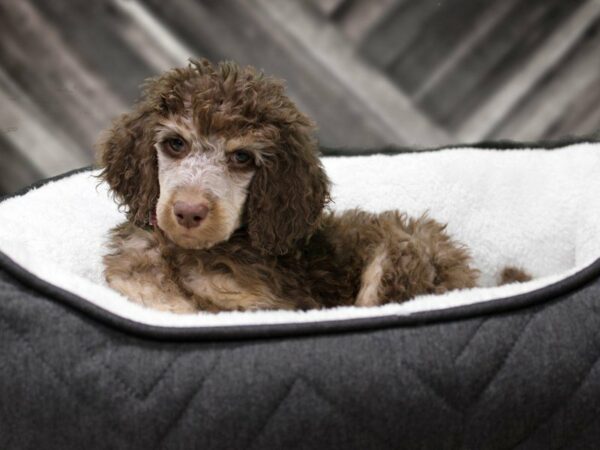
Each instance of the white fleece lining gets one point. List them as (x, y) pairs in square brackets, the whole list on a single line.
[(532, 208)]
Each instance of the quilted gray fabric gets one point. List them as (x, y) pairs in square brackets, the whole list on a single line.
[(529, 379)]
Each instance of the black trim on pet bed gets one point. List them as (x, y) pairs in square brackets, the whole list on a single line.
[(546, 295)]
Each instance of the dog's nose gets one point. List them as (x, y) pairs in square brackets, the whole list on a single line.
[(188, 215)]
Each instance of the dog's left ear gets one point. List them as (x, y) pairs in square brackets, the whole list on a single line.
[(287, 194), (127, 157)]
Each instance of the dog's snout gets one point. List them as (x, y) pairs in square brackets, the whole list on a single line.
[(190, 215)]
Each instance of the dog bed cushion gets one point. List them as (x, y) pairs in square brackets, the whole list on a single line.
[(485, 367)]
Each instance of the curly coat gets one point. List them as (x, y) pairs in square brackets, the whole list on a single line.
[(284, 249)]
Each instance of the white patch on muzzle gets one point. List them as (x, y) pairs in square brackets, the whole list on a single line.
[(203, 174)]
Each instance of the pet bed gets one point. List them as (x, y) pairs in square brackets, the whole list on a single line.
[(514, 366)]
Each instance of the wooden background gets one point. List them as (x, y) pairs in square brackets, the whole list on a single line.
[(371, 72)]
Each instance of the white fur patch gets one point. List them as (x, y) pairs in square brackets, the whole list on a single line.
[(371, 279)]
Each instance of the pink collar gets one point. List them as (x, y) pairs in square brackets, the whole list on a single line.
[(153, 221)]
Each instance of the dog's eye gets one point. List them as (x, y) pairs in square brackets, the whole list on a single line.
[(241, 157), (176, 144)]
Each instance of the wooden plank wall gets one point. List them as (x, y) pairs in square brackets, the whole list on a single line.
[(371, 72), (468, 64)]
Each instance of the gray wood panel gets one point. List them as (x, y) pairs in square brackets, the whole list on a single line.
[(564, 100), (396, 30), (494, 59), (15, 169), (445, 30)]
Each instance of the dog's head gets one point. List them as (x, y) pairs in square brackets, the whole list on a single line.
[(209, 149)]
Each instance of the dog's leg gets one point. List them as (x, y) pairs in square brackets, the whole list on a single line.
[(420, 258), (142, 288), (512, 274), (136, 269), (370, 280)]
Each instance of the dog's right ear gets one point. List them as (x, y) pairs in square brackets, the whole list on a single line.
[(129, 165)]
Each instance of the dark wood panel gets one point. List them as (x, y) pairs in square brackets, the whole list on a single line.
[(496, 59), (582, 118), (360, 17), (396, 30), (565, 99), (41, 64), (582, 114), (90, 29), (445, 30), (330, 7), (15, 171)]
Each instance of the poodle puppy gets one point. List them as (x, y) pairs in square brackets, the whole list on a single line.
[(219, 174)]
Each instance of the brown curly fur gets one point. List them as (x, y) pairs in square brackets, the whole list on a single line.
[(512, 274), (288, 251)]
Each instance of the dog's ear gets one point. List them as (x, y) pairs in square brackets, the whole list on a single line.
[(287, 194), (129, 165)]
